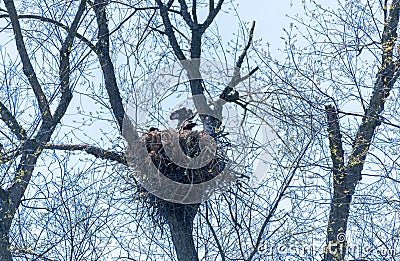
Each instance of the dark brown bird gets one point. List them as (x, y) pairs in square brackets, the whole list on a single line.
[(187, 125), (153, 129), (182, 115)]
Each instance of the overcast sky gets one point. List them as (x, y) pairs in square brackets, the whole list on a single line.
[(270, 17)]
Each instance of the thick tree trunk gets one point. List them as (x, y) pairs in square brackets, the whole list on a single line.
[(180, 221), (336, 234), (181, 232), (5, 254), (6, 216)]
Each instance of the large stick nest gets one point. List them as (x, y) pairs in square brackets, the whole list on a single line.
[(189, 144)]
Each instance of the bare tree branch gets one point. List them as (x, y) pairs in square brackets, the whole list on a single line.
[(66, 93), (32, 148), (169, 31), (90, 149), (185, 14), (12, 122), (103, 46), (27, 66), (249, 42), (211, 6), (386, 77), (335, 143), (123, 22), (278, 199), (170, 3), (61, 25), (194, 11), (213, 13), (214, 234), (227, 95)]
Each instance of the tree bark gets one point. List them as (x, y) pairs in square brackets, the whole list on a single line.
[(180, 222), (182, 239), (5, 224), (103, 54), (5, 254)]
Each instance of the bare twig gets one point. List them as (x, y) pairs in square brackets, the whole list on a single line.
[(278, 199)]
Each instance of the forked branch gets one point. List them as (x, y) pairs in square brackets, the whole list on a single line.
[(27, 65), (228, 94)]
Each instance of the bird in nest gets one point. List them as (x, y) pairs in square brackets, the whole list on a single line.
[(153, 129), (187, 125), (182, 115)]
